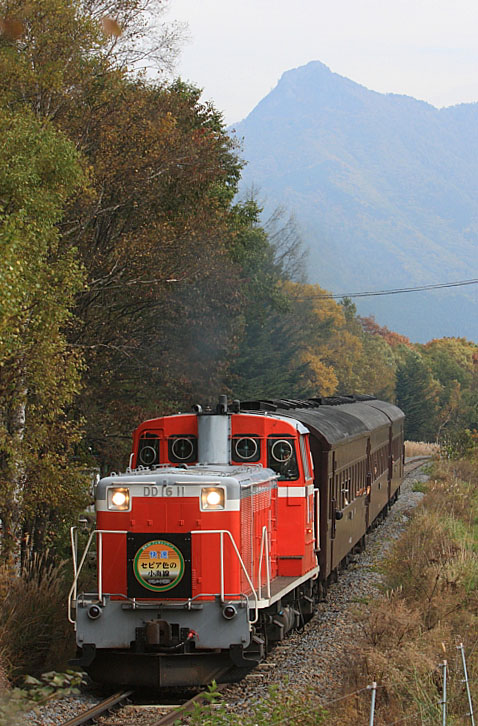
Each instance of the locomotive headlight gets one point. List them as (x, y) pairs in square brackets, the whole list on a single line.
[(229, 612), (212, 498), (118, 499), (94, 612)]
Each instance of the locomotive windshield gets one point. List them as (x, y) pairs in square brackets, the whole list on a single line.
[(148, 451), (182, 449), (282, 458), (246, 449)]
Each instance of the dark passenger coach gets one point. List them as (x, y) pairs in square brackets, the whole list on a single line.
[(357, 448)]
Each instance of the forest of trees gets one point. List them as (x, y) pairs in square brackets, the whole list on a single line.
[(133, 281)]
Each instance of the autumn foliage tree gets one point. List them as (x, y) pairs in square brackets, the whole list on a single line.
[(133, 280), (64, 72), (39, 373), (453, 364), (156, 320), (156, 315)]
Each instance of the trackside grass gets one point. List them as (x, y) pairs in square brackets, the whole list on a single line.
[(421, 448), (429, 606), (35, 635), (281, 706)]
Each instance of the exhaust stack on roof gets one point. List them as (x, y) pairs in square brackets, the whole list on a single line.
[(213, 434)]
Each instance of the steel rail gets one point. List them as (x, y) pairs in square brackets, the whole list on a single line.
[(172, 716), (415, 463), (95, 711)]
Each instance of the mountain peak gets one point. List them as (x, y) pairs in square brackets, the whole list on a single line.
[(312, 87), (383, 185), (311, 69), (314, 75)]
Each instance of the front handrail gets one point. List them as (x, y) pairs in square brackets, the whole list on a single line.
[(77, 566), (222, 532), (74, 553), (264, 545)]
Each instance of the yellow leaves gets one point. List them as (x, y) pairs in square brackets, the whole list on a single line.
[(111, 27), (167, 123), (325, 322), (324, 309), (460, 351), (323, 378), (11, 28), (340, 356)]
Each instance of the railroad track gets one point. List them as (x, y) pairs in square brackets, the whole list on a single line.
[(100, 708), (172, 716), (119, 699), (415, 463)]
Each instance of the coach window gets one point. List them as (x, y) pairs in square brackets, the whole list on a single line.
[(345, 488), (375, 465), (348, 487), (331, 496), (282, 457)]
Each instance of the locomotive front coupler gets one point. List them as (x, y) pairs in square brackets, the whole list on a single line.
[(161, 636)]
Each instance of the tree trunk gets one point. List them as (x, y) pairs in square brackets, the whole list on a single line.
[(13, 475)]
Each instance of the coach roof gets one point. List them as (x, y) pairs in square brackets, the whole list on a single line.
[(332, 419)]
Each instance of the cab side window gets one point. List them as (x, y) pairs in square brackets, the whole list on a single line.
[(305, 458)]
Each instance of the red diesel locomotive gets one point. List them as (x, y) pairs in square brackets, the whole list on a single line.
[(224, 531)]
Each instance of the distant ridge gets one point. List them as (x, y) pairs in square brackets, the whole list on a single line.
[(384, 187)]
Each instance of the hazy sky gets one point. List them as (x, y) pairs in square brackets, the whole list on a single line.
[(238, 50)]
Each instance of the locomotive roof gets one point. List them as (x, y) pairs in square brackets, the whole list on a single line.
[(332, 419)]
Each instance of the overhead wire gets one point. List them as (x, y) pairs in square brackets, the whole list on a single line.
[(392, 291)]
